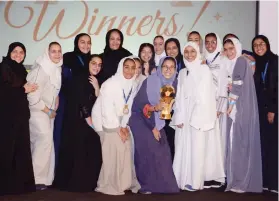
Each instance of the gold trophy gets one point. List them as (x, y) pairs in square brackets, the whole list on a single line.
[(167, 96)]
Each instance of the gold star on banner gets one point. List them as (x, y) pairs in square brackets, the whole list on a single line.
[(217, 16)]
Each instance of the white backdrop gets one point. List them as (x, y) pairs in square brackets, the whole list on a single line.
[(35, 24), (268, 22)]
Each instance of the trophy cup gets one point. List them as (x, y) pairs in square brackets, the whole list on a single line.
[(167, 96)]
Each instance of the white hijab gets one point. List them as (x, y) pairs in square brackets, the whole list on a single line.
[(203, 90), (210, 56), (53, 70), (158, 57), (231, 63), (194, 67), (118, 77)]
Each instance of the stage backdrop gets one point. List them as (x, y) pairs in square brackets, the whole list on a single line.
[(37, 23)]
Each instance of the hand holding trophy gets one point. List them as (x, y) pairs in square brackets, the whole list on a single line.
[(167, 97)]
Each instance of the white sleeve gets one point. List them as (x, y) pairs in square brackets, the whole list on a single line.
[(109, 114), (178, 116), (36, 76)]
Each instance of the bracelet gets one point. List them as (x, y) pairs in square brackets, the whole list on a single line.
[(92, 126), (232, 103), (252, 63), (49, 112)]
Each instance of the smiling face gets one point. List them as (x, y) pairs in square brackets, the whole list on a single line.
[(194, 38), (114, 40), (158, 45), (129, 69), (190, 54), (229, 50), (168, 68), (84, 44), (259, 47), (210, 44), (55, 53), (95, 65), (17, 54), (172, 49), (146, 54)]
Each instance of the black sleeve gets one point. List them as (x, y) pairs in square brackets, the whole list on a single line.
[(273, 87), (10, 81), (85, 96)]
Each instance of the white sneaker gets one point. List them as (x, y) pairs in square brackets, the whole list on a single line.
[(237, 191), (274, 191)]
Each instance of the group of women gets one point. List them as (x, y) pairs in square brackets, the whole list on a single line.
[(86, 122)]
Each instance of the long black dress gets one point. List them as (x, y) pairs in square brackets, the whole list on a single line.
[(16, 171), (80, 156), (267, 94), (74, 63)]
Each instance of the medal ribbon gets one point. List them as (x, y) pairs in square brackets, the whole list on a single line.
[(264, 73), (127, 98), (80, 60), (208, 63)]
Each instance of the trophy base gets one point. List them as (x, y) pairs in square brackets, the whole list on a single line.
[(165, 116)]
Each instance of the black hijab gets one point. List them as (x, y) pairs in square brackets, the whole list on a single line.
[(179, 57), (72, 59), (111, 58), (262, 60), (17, 69)]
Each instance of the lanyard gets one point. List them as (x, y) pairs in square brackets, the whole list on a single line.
[(178, 67), (208, 63), (264, 73), (80, 59), (127, 98)]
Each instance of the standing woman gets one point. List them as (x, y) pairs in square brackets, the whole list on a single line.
[(159, 47), (266, 81), (173, 49), (110, 116), (113, 53), (214, 60), (80, 156), (198, 155), (16, 171), (243, 162), (43, 103), (153, 161), (147, 56), (74, 63)]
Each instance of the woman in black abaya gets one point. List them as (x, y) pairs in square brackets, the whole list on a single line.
[(16, 171), (80, 156), (74, 63), (266, 82), (113, 53)]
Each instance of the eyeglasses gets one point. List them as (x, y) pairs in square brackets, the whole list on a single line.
[(168, 68), (261, 45)]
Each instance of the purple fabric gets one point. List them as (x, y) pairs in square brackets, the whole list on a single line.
[(244, 167), (154, 83), (153, 163)]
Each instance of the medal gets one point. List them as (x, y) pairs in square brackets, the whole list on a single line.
[(126, 106), (126, 109)]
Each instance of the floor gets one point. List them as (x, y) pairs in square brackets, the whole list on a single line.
[(208, 195)]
